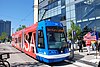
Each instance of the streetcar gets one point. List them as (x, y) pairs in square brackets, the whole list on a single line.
[(44, 41)]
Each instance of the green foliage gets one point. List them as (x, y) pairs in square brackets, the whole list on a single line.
[(75, 28), (21, 27), (3, 36)]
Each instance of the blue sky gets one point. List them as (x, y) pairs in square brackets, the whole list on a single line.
[(19, 12)]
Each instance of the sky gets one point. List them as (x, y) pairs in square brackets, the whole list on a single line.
[(19, 12)]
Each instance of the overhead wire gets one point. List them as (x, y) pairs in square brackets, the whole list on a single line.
[(23, 19), (19, 20)]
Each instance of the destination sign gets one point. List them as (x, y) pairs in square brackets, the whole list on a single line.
[(55, 29)]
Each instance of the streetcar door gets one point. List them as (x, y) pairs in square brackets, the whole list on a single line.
[(40, 42)]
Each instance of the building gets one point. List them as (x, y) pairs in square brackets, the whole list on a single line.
[(5, 26), (88, 14), (82, 12)]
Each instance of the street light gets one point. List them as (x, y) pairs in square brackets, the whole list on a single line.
[(12, 30)]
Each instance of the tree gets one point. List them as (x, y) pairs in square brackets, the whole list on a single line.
[(3, 36), (21, 27), (75, 28)]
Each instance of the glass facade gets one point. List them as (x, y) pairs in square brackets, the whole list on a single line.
[(70, 12), (58, 11), (82, 12), (53, 8), (5, 26), (88, 13)]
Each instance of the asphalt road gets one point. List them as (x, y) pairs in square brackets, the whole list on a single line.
[(20, 59)]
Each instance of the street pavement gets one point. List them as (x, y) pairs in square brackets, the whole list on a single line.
[(20, 59)]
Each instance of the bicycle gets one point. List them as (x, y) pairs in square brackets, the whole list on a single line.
[(3, 60)]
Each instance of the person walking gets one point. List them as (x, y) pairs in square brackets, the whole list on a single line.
[(93, 43), (88, 44), (80, 45), (98, 47)]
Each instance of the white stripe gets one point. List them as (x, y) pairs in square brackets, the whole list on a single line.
[(79, 21), (85, 20), (97, 17), (53, 56), (91, 18)]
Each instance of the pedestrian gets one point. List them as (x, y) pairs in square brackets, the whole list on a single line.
[(80, 45), (98, 47), (83, 43), (93, 43), (88, 44)]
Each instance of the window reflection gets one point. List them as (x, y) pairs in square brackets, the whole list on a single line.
[(55, 37)]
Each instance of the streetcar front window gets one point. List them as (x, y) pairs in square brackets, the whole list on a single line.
[(56, 37)]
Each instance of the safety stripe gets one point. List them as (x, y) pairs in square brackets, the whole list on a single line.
[(53, 56)]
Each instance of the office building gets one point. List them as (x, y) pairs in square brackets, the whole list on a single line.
[(5, 26), (82, 12), (88, 14)]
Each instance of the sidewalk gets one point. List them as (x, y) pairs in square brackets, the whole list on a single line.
[(81, 58), (84, 60)]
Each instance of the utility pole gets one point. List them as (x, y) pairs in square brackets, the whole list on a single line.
[(12, 30), (36, 12)]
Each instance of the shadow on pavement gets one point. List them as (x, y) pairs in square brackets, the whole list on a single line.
[(39, 64), (4, 49), (77, 57), (36, 64), (27, 64), (60, 63), (88, 63)]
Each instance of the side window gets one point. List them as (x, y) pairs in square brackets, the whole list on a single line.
[(29, 38), (16, 40), (34, 37), (41, 39), (19, 39)]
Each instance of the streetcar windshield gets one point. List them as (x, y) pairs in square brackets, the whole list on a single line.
[(55, 37)]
